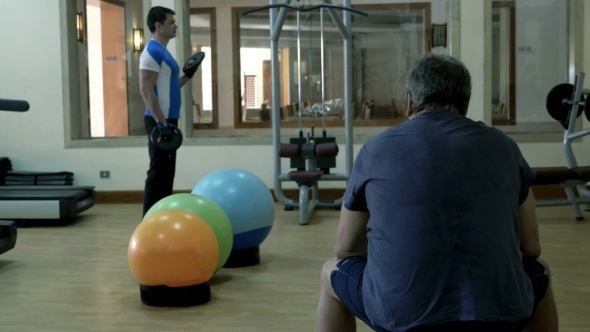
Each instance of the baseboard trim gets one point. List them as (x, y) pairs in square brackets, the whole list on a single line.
[(119, 197), (136, 196)]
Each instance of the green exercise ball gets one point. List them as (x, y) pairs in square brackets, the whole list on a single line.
[(208, 211)]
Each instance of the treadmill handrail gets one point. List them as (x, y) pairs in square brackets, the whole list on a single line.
[(13, 105)]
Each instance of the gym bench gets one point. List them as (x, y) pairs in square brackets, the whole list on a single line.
[(7, 235), (568, 179), (565, 103)]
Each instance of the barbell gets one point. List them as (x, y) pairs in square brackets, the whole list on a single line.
[(559, 103)]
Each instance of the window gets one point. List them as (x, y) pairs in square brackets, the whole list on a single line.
[(530, 55), (385, 44), (534, 47), (103, 69), (110, 103), (503, 81)]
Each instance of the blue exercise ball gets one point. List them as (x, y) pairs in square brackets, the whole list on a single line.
[(246, 201)]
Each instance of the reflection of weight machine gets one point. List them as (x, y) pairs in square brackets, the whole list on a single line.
[(312, 156), (565, 103)]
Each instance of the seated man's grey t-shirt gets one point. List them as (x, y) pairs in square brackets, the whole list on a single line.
[(443, 194)]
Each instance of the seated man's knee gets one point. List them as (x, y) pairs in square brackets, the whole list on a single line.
[(545, 265), (327, 268)]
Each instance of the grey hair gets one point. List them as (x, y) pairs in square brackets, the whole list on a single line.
[(439, 81)]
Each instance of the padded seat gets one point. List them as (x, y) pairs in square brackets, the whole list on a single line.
[(568, 179), (305, 177), (553, 175), (583, 173)]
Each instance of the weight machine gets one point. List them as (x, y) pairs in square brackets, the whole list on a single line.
[(565, 103), (307, 151)]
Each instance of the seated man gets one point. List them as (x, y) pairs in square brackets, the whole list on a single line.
[(438, 229)]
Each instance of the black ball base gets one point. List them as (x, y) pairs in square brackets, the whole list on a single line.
[(164, 296), (243, 257)]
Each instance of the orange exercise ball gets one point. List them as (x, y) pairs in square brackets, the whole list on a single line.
[(173, 248)]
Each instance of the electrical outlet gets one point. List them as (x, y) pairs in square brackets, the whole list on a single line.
[(105, 174)]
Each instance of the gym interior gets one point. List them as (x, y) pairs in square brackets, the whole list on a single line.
[(75, 62)]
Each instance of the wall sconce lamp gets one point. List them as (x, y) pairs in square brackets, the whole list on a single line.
[(80, 27), (137, 39)]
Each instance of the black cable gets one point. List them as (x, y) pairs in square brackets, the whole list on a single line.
[(310, 59)]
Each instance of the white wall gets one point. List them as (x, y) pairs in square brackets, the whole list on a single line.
[(32, 70)]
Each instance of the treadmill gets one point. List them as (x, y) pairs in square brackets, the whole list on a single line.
[(44, 202), (40, 202), (7, 235)]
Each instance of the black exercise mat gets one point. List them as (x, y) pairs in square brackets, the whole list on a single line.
[(37, 182), (39, 175), (24, 178), (5, 166), (12, 177)]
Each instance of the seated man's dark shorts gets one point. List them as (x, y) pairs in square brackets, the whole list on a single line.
[(347, 281)]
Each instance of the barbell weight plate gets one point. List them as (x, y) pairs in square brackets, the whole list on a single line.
[(168, 145), (587, 107), (194, 61), (555, 106)]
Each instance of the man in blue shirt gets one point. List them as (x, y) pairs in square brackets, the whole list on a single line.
[(438, 230), (159, 84)]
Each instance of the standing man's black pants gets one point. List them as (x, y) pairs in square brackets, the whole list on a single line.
[(160, 176)]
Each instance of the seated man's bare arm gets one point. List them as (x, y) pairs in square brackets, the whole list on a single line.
[(352, 234), (530, 245)]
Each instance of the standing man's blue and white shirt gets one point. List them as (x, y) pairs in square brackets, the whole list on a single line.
[(155, 57)]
